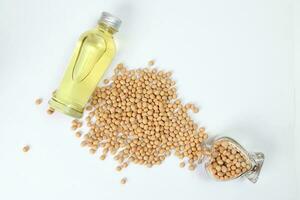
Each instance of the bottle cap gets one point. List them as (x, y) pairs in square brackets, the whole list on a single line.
[(110, 20)]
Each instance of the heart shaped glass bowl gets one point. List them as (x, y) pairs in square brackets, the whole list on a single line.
[(252, 161)]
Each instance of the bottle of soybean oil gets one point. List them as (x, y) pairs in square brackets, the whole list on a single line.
[(93, 54)]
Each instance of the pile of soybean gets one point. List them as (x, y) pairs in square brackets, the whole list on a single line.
[(137, 117)]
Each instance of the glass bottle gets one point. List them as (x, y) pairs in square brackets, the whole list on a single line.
[(256, 160), (92, 56)]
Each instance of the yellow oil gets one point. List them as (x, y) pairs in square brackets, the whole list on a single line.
[(92, 56)]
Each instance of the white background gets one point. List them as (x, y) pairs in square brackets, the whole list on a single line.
[(236, 59)]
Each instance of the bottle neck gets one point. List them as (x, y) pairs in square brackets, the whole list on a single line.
[(106, 28)]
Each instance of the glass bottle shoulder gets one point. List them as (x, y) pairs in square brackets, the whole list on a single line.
[(100, 37)]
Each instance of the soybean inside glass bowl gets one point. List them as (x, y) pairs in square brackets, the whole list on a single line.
[(250, 170)]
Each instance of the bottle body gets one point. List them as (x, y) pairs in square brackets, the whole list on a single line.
[(92, 56)]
